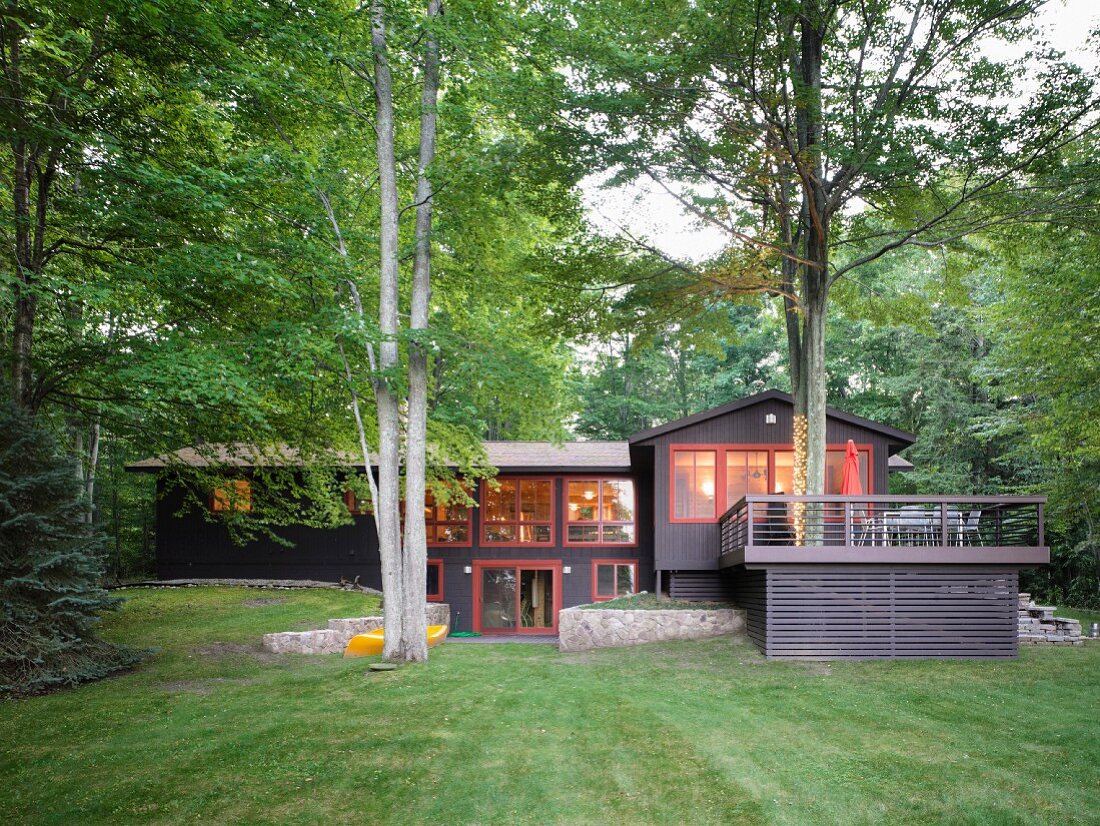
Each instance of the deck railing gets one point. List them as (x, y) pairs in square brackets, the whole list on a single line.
[(853, 522)]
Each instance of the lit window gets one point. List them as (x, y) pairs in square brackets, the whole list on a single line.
[(746, 472), (447, 524), (834, 470), (614, 578), (235, 498), (519, 511), (600, 511), (435, 580), (693, 484)]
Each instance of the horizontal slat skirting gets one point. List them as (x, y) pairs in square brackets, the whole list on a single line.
[(859, 612)]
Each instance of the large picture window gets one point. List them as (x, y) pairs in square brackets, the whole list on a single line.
[(613, 578), (446, 524), (599, 512), (707, 480), (694, 484), (518, 512), (834, 470)]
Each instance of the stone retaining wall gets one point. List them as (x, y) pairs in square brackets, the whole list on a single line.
[(335, 638), (581, 629)]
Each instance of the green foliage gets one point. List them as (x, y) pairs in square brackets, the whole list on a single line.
[(50, 566)]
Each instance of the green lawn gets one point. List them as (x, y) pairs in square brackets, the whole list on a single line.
[(211, 729)]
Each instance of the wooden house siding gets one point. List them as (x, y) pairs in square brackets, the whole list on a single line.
[(189, 546), (691, 546)]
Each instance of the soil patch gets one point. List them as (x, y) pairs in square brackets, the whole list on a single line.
[(236, 650)]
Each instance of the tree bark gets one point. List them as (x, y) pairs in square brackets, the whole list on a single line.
[(416, 551), (389, 425)]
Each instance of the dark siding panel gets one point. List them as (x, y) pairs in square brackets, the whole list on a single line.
[(839, 611), (702, 585), (750, 591), (694, 546)]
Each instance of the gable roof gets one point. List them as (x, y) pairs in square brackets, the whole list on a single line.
[(895, 435), (606, 456)]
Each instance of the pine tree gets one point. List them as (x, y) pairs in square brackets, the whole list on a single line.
[(50, 567)]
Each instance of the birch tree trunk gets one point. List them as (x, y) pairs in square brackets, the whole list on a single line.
[(389, 425), (416, 550)]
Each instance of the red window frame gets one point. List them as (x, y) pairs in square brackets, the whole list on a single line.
[(350, 500), (721, 506), (719, 481), (599, 523), (595, 576), (518, 543), (430, 523), (438, 563), (241, 501)]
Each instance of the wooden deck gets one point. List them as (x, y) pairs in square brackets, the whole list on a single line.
[(939, 530)]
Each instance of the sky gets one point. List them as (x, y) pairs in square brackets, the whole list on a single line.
[(645, 211)]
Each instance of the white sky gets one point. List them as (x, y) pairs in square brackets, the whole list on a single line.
[(647, 212)]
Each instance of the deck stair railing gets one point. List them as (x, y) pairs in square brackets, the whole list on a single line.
[(885, 521)]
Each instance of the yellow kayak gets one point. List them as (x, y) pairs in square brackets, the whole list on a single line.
[(370, 644)]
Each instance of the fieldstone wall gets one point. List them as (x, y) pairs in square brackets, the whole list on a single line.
[(581, 629), (1038, 626), (335, 638)]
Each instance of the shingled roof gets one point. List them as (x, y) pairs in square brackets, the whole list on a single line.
[(605, 456)]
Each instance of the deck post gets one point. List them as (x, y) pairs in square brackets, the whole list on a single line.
[(945, 538), (848, 539), (1042, 525), (748, 523), (659, 597)]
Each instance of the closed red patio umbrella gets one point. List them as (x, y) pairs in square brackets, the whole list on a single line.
[(850, 485)]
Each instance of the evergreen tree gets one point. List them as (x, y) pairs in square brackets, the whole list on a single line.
[(50, 567)]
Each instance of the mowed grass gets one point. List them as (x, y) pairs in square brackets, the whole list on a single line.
[(211, 729)]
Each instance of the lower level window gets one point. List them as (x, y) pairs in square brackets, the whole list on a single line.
[(435, 580), (614, 578)]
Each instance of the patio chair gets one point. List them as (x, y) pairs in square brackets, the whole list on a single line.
[(968, 533)]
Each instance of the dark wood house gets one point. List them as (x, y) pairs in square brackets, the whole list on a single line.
[(698, 508)]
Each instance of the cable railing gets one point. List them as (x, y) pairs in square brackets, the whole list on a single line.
[(868, 521)]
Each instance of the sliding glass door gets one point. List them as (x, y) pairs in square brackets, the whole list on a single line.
[(517, 597)]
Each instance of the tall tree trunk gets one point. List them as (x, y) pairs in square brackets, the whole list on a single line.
[(24, 297), (815, 270), (416, 550), (90, 473), (389, 424)]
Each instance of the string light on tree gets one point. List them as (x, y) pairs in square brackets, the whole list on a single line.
[(799, 481)]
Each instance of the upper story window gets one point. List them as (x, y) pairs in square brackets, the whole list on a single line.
[(746, 472), (834, 470), (707, 480), (600, 512), (694, 484), (447, 524), (237, 496), (518, 512)]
